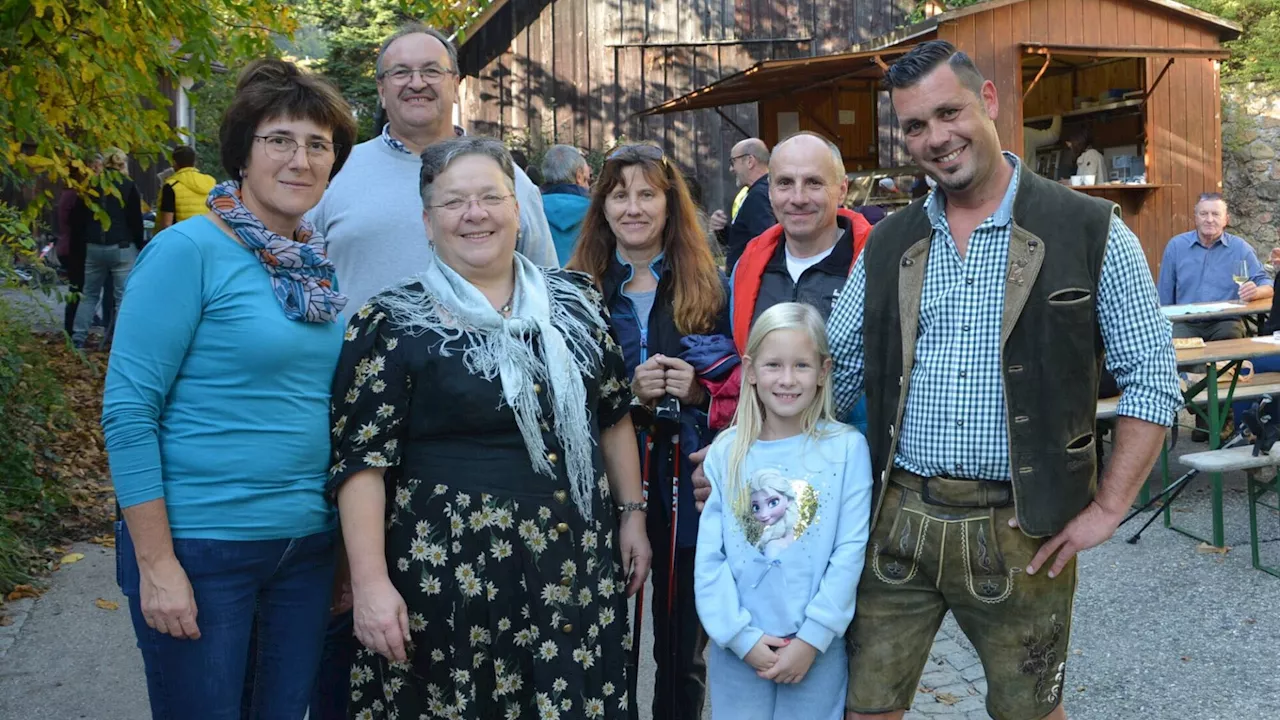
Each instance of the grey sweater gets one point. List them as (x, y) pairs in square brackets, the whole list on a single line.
[(371, 219)]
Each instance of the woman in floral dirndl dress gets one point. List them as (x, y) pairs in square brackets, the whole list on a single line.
[(486, 475)]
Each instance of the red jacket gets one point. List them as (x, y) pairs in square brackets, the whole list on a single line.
[(750, 268)]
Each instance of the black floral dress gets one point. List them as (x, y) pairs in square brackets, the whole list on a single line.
[(517, 604)]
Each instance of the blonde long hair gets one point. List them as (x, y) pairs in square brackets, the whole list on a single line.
[(749, 417)]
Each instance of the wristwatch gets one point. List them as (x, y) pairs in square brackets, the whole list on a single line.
[(638, 506)]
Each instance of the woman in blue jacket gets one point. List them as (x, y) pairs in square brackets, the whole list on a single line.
[(642, 243)]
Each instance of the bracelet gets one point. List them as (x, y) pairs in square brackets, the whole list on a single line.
[(638, 506)]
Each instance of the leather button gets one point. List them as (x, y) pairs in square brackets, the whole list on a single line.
[(561, 496), (562, 528), (567, 628), (552, 458), (566, 581)]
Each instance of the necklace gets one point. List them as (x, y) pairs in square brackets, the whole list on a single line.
[(505, 310)]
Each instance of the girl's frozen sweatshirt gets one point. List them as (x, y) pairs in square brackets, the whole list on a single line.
[(783, 556)]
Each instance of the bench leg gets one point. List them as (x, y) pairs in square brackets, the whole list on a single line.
[(1256, 490)]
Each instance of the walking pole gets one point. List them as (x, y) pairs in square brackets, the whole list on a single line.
[(637, 622), (673, 631)]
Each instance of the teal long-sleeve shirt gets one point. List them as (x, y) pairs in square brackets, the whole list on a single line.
[(215, 400)]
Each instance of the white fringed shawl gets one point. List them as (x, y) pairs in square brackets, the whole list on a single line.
[(494, 346)]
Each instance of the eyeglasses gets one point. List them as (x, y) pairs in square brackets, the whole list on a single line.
[(457, 205), (283, 147), (431, 74), (735, 158)]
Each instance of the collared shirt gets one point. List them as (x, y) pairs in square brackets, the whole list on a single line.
[(1192, 273), (534, 241), (954, 422)]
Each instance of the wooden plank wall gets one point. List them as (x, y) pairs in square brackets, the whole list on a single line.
[(576, 71), (1183, 119)]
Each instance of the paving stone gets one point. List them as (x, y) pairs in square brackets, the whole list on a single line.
[(943, 647), (937, 678), (978, 715), (961, 660), (973, 674), (958, 689), (970, 704), (981, 686)]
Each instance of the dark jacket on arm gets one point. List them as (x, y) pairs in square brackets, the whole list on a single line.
[(755, 215)]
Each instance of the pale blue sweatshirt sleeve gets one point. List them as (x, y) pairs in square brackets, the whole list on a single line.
[(830, 611), (715, 590), (158, 317)]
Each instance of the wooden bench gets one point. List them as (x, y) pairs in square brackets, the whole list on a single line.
[(1242, 458), (1259, 384)]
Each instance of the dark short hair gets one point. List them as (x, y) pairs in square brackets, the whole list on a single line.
[(183, 157), (439, 156), (928, 56), (273, 88), (417, 28)]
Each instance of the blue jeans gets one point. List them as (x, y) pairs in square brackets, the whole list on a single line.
[(276, 590), (333, 686), (100, 263)]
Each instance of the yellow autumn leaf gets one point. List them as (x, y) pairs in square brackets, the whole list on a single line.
[(106, 604), (72, 558)]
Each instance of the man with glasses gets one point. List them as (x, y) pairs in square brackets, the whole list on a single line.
[(371, 215), (752, 213)]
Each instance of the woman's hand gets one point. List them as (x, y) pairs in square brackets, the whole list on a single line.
[(636, 555), (681, 380), (649, 382), (168, 602), (793, 663), (381, 619)]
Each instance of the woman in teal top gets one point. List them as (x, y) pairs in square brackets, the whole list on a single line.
[(216, 415)]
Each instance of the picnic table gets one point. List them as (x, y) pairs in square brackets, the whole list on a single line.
[(1215, 359), (1251, 312), (1207, 397)]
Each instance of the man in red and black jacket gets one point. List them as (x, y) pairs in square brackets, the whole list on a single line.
[(807, 256)]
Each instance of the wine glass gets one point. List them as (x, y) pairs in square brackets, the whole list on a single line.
[(1240, 274)]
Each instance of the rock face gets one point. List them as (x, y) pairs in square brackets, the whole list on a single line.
[(1250, 167)]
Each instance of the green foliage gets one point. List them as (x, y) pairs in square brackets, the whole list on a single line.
[(1255, 56), (210, 100), (32, 409), (354, 30), (922, 6), (79, 76)]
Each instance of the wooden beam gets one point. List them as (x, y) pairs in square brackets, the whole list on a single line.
[(735, 125), (1160, 77), (705, 43), (1048, 58), (1102, 51)]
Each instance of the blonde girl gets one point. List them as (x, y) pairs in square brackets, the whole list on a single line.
[(782, 537)]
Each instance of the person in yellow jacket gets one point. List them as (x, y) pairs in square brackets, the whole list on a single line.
[(183, 193)]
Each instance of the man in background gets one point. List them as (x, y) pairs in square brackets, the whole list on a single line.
[(183, 194), (565, 196), (752, 212)]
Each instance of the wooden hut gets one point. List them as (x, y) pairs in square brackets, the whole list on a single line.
[(1140, 75), (580, 72)]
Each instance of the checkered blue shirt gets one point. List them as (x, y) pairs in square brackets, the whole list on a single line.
[(954, 422)]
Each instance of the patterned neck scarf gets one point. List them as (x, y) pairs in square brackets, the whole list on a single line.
[(398, 146), (301, 276)]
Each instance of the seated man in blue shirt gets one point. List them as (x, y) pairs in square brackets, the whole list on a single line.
[(1199, 266)]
